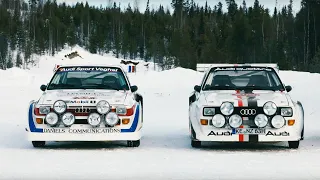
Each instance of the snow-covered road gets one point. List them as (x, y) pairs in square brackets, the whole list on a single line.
[(165, 151)]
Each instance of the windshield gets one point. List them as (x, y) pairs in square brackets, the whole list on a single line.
[(242, 78), (88, 78)]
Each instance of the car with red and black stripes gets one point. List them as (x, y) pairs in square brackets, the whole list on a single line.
[(244, 103)]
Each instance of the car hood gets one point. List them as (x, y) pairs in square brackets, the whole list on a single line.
[(216, 98), (89, 97)]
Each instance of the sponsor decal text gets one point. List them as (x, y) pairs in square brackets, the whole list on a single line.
[(106, 69), (285, 133), (81, 131), (227, 133)]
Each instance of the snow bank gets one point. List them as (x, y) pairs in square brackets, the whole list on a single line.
[(177, 80)]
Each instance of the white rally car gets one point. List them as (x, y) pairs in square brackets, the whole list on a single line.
[(244, 103), (86, 103)]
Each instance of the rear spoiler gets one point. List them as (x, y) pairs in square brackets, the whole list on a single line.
[(205, 67)]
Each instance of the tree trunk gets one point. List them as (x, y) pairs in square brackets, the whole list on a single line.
[(308, 38)]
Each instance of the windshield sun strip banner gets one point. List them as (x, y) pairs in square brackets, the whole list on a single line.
[(83, 68), (242, 69)]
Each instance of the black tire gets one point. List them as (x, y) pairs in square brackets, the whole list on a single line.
[(133, 143), (294, 144), (38, 144), (195, 144)]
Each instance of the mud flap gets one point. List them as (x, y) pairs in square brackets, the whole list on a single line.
[(193, 133), (302, 132)]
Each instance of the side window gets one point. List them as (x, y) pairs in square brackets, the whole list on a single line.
[(209, 80), (203, 78), (56, 79), (275, 79), (122, 79)]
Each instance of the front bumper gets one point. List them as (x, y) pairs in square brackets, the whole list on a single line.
[(83, 134), (231, 135)]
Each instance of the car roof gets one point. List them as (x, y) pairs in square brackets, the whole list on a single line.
[(89, 65), (202, 67), (240, 66)]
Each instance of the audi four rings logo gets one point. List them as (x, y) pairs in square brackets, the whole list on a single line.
[(248, 112)]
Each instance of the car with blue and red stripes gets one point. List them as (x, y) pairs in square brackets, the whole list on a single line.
[(244, 103), (86, 103)]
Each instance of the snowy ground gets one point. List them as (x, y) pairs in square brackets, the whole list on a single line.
[(165, 151)]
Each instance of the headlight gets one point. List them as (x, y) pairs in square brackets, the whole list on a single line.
[(44, 109), (68, 119), (121, 110), (269, 108), (103, 107), (59, 106), (52, 119), (218, 121), (287, 112), (261, 120), (235, 121), (277, 121), (208, 111), (226, 108), (94, 119), (112, 119)]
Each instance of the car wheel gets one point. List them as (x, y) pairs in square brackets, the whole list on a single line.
[(294, 144), (195, 144), (133, 143), (38, 143)]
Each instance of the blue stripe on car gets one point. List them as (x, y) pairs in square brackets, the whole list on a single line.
[(32, 126), (135, 121)]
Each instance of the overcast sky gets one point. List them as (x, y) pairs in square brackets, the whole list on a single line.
[(166, 3)]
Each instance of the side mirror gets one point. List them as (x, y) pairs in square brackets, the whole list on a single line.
[(43, 87), (288, 88), (134, 88), (197, 88)]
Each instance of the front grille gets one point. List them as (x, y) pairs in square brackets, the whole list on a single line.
[(238, 110), (249, 114), (84, 111)]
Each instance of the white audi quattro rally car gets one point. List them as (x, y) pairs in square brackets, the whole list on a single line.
[(244, 103), (86, 103)]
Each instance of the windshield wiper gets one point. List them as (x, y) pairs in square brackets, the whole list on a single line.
[(105, 86), (258, 88), (219, 88), (59, 86)]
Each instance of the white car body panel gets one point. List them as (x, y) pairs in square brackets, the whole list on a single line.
[(87, 99), (254, 99)]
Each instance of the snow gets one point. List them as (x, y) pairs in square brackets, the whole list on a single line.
[(165, 151)]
